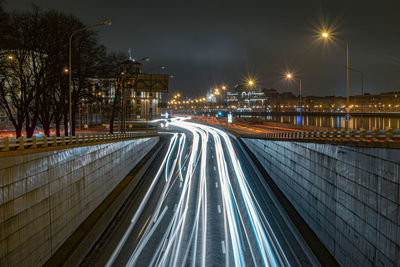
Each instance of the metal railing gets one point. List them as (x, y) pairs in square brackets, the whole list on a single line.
[(21, 143), (357, 135)]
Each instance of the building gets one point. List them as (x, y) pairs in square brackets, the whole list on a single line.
[(243, 96), (138, 93)]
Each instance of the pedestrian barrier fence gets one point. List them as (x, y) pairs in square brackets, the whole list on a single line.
[(356, 135), (21, 143)]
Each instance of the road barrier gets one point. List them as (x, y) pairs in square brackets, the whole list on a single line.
[(22, 143), (360, 136)]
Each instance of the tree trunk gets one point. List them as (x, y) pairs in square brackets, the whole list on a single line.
[(66, 130), (18, 130), (58, 122), (112, 118), (46, 129), (114, 108), (29, 127), (73, 121)]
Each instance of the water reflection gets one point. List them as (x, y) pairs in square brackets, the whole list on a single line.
[(338, 121)]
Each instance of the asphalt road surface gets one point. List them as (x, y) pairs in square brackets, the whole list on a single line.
[(201, 203)]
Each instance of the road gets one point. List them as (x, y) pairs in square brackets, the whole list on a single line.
[(203, 204)]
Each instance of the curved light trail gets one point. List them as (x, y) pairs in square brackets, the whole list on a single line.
[(184, 238)]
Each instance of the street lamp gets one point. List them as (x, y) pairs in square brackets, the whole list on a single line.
[(217, 93), (290, 76), (104, 22), (325, 35), (362, 92)]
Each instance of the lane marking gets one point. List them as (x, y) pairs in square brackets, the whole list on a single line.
[(219, 208), (212, 156), (216, 184), (215, 168), (176, 205), (180, 184), (223, 246), (144, 226), (141, 246), (139, 211)]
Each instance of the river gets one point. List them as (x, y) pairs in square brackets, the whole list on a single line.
[(338, 121)]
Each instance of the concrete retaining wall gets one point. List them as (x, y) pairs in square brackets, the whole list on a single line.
[(349, 196), (45, 196)]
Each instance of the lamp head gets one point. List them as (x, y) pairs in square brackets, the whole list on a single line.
[(106, 22)]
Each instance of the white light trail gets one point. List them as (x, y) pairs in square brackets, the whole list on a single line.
[(188, 234)]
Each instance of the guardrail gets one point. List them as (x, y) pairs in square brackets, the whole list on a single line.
[(21, 143), (342, 136)]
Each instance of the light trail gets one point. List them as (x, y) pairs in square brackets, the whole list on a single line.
[(139, 211), (265, 249), (186, 231)]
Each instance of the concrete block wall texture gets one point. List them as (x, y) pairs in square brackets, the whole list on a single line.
[(349, 196), (45, 196)]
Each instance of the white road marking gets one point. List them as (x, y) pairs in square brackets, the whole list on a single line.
[(215, 168), (223, 246), (175, 207), (216, 185), (219, 208), (180, 184)]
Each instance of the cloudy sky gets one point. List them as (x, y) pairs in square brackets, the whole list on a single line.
[(209, 43)]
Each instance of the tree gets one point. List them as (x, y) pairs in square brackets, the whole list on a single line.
[(22, 67), (55, 102), (113, 69), (33, 68), (88, 61)]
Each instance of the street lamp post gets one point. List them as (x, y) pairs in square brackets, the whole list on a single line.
[(251, 84), (326, 35), (362, 92), (224, 92), (290, 76), (105, 22), (158, 67), (300, 97)]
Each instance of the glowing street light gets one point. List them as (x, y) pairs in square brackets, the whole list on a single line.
[(325, 35), (250, 82), (290, 77)]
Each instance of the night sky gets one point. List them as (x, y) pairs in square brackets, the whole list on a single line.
[(208, 43)]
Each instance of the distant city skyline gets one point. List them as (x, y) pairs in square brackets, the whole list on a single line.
[(212, 43)]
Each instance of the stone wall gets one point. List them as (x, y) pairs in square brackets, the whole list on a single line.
[(45, 196), (349, 196)]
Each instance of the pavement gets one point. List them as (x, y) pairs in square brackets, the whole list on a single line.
[(201, 203)]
